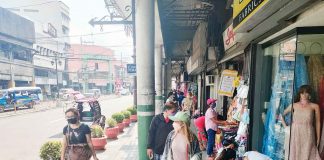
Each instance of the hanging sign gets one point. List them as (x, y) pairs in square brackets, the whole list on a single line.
[(244, 9), (226, 87), (131, 69), (229, 37)]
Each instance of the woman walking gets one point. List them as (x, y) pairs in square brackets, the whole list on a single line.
[(181, 143), (77, 143)]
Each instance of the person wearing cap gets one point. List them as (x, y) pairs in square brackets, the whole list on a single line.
[(211, 124), (181, 143), (160, 127)]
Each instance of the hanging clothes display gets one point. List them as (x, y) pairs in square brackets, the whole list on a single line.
[(281, 98), (316, 70), (321, 104), (301, 74)]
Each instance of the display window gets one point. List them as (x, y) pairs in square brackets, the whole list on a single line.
[(294, 103)]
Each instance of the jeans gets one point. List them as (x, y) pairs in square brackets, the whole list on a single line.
[(210, 142), (157, 156)]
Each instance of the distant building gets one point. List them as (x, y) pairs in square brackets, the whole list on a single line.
[(17, 36), (92, 66), (51, 20)]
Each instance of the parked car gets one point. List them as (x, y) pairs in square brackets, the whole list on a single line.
[(125, 91)]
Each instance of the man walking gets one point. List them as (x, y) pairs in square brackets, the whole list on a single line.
[(160, 127)]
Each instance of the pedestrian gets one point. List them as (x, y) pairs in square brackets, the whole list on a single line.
[(188, 104), (160, 127), (211, 124), (180, 99), (181, 143), (77, 143), (201, 131)]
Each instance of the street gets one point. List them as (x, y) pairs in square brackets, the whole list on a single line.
[(22, 135)]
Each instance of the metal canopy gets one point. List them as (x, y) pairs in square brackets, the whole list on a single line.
[(179, 21)]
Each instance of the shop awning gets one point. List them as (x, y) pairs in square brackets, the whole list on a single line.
[(230, 55)]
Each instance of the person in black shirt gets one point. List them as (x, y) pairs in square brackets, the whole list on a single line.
[(160, 127), (77, 143)]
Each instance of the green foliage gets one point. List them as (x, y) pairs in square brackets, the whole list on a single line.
[(96, 131), (51, 150), (111, 122), (126, 114), (118, 117), (132, 110)]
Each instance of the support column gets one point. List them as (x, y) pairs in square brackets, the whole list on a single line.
[(168, 73), (11, 82), (145, 71), (158, 80), (163, 81)]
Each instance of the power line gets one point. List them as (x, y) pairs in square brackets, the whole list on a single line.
[(80, 35), (30, 5)]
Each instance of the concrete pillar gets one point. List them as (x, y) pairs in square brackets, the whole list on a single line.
[(168, 73), (11, 82), (145, 71), (158, 80), (163, 82)]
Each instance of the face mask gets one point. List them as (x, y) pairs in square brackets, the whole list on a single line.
[(73, 120), (176, 126)]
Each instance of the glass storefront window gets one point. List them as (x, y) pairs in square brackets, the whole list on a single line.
[(276, 135), (290, 129)]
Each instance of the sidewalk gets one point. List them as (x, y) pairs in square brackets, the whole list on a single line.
[(123, 148)]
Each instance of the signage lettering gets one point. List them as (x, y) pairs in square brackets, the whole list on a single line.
[(131, 68), (244, 8)]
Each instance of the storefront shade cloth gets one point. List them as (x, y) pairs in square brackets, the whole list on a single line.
[(281, 98)]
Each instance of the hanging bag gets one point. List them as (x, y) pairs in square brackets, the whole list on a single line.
[(78, 151)]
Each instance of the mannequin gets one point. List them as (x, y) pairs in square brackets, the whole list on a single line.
[(305, 137)]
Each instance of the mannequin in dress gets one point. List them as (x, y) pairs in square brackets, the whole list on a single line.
[(305, 137)]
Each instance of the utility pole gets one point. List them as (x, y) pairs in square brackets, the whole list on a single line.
[(145, 31), (57, 80)]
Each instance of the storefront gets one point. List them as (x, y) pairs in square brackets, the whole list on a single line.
[(281, 64), (232, 80)]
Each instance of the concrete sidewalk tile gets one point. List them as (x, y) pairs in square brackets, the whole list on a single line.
[(124, 148)]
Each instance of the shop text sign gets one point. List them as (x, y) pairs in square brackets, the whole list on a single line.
[(226, 87), (244, 9), (229, 37)]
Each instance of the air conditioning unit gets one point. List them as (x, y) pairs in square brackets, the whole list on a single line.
[(210, 79), (212, 53)]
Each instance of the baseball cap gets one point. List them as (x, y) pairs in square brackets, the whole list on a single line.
[(210, 101), (180, 116)]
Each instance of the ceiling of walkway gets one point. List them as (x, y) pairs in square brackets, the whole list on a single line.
[(180, 19)]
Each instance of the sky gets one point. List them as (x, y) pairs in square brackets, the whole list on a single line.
[(81, 12)]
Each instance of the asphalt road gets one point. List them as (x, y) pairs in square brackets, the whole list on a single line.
[(22, 135)]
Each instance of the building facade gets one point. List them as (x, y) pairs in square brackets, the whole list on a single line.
[(17, 36), (91, 66), (51, 20)]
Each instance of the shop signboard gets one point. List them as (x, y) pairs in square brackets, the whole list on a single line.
[(226, 87), (245, 9), (229, 37)]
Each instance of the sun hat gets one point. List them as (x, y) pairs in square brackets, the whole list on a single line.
[(210, 101), (181, 116)]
